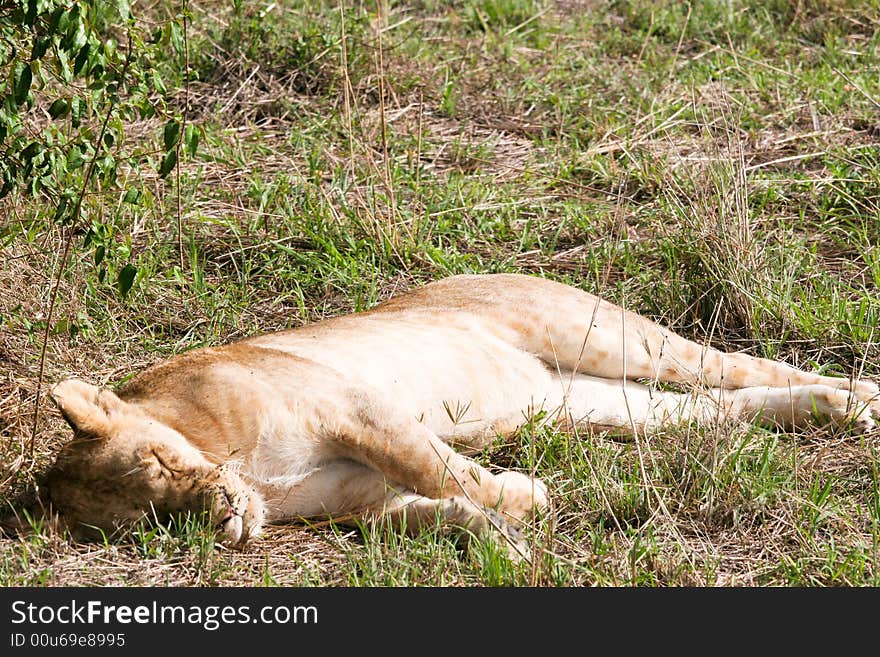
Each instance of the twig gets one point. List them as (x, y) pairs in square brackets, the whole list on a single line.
[(418, 210), (346, 84), (65, 253), (383, 127), (182, 133), (857, 87), (232, 98), (782, 160), (684, 27)]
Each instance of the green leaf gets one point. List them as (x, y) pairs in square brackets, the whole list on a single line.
[(31, 150), (171, 134), (61, 19), (60, 210), (145, 109), (23, 85), (81, 58), (191, 139), (124, 9), (100, 250), (75, 31), (77, 109), (30, 16), (64, 66), (168, 163), (59, 108), (75, 159), (158, 84), (41, 45), (126, 279), (132, 196), (107, 168), (176, 36)]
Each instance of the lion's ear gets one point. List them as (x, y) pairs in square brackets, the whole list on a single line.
[(86, 408)]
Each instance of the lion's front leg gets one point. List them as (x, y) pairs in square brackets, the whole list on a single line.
[(412, 457), (413, 512)]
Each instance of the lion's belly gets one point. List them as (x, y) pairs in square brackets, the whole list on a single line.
[(461, 381)]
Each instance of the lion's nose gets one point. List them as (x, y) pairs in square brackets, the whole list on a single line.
[(228, 524), (228, 515)]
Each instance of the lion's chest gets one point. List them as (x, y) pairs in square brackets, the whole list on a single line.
[(301, 473)]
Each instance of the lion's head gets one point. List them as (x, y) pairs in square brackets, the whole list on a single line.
[(123, 466)]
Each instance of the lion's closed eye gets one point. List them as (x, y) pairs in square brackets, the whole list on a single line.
[(160, 465)]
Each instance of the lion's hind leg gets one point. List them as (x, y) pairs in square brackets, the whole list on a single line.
[(798, 406), (604, 340), (629, 407), (572, 331)]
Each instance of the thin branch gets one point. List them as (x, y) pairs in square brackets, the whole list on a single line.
[(65, 254), (855, 85), (182, 133), (382, 125)]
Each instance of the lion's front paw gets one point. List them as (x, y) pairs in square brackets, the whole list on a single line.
[(509, 537), (238, 523), (522, 495), (236, 510), (484, 522)]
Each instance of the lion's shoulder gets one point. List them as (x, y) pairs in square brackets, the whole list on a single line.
[(204, 368)]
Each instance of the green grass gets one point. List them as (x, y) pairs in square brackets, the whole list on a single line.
[(715, 167)]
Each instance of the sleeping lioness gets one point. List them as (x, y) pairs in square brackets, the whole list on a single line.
[(370, 415)]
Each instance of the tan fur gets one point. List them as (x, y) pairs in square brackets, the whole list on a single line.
[(369, 414)]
